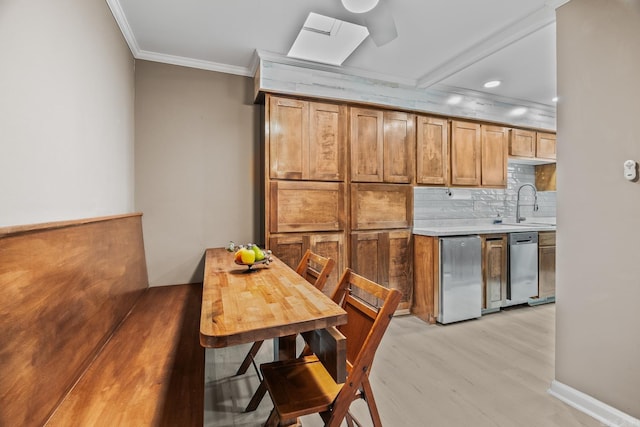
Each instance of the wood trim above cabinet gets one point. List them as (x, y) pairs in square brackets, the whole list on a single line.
[(432, 149), (381, 206), (306, 206)]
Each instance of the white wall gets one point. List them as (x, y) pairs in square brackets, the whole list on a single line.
[(197, 166), (66, 112), (598, 258)]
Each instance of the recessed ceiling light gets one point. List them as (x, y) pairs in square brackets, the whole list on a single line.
[(359, 6), (492, 83), (518, 111), (454, 99), (555, 99), (327, 40)]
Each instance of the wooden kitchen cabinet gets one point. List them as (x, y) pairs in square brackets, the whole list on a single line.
[(546, 264), (381, 206), (382, 146), (494, 271), (307, 140), (522, 143), (495, 143), (531, 144), (399, 147), (465, 154), (426, 281), (546, 145), (296, 206), (426, 275), (290, 248), (386, 258), (546, 177), (478, 155), (432, 149)]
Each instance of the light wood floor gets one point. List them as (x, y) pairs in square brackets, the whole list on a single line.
[(494, 371)]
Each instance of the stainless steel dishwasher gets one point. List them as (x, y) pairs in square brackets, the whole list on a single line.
[(523, 267), (460, 278)]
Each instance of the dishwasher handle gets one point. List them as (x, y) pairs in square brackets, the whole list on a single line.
[(523, 238)]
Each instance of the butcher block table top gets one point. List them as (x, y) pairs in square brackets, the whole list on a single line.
[(269, 301)]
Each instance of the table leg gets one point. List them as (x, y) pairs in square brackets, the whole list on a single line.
[(283, 348)]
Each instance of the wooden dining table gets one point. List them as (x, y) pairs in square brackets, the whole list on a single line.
[(243, 305)]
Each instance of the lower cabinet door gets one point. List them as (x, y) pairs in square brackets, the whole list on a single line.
[(290, 247), (385, 257), (494, 269), (547, 271)]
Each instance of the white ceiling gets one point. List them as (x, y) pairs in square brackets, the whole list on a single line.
[(459, 43)]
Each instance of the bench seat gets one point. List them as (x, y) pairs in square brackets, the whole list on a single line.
[(151, 371), (85, 340)]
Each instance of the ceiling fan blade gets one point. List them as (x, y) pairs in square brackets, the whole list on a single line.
[(379, 21)]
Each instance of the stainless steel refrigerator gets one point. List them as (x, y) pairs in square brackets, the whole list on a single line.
[(460, 278)]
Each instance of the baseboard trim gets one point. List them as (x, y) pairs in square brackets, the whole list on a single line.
[(602, 412)]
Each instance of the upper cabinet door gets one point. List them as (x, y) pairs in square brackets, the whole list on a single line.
[(399, 147), (306, 140), (494, 156), (432, 150), (327, 138), (288, 138), (522, 143), (546, 145), (465, 153), (366, 145)]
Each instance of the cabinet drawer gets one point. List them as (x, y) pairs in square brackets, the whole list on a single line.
[(547, 238), (380, 206), (306, 206)]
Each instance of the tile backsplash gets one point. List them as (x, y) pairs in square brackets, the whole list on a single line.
[(438, 204)]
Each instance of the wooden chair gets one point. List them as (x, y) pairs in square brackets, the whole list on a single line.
[(315, 269), (304, 386)]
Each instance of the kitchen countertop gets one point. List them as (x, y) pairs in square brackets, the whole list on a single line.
[(462, 229)]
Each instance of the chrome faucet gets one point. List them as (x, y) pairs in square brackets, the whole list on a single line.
[(535, 201)]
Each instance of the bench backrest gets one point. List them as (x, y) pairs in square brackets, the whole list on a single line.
[(64, 288)]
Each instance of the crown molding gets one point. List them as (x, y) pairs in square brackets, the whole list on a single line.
[(125, 28), (194, 63), (127, 32)]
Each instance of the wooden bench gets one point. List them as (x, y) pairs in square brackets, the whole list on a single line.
[(85, 341)]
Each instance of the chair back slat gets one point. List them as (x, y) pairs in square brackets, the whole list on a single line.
[(315, 268)]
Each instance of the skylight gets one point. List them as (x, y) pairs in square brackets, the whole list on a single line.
[(327, 40)]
